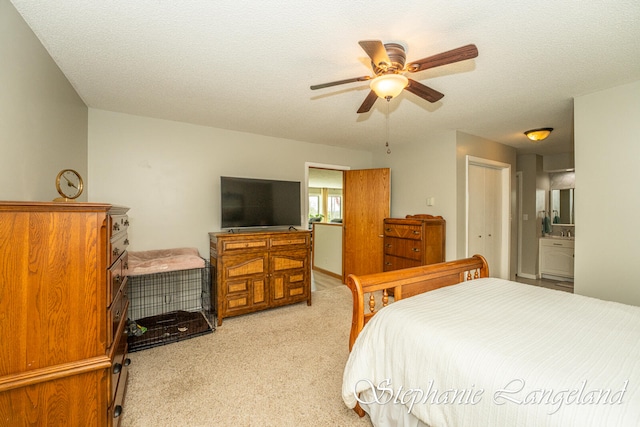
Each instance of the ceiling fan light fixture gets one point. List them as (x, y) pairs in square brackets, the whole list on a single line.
[(538, 134), (389, 86)]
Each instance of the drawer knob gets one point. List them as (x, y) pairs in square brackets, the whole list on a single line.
[(116, 226), (117, 411), (415, 249), (127, 362), (117, 279), (126, 222), (117, 367), (116, 251), (387, 263), (126, 241), (416, 232), (388, 245)]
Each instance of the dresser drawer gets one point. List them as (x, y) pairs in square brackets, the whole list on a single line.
[(398, 263), (116, 409), (119, 223), (407, 248), (232, 245), (116, 314), (290, 242), (119, 366), (117, 277), (117, 246), (403, 231)]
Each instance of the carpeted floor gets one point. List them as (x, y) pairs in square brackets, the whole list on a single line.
[(280, 367)]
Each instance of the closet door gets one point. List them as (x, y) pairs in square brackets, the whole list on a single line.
[(485, 217), (476, 234)]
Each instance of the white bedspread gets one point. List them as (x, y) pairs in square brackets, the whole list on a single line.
[(515, 354)]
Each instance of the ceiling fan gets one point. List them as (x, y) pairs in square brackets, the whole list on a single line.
[(388, 64)]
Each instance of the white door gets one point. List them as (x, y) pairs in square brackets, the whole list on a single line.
[(486, 217), (476, 231)]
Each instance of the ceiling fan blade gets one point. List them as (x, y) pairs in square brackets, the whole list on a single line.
[(368, 102), (340, 82), (460, 54), (377, 52), (423, 91)]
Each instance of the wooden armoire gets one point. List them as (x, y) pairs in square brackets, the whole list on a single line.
[(63, 305)]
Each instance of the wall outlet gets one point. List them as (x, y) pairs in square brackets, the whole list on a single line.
[(431, 201)]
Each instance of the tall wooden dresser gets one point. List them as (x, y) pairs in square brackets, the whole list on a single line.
[(259, 270), (413, 241), (63, 305)]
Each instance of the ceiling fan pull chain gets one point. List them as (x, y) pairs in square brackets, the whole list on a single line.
[(387, 144)]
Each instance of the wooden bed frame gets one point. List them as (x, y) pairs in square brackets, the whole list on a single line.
[(406, 283)]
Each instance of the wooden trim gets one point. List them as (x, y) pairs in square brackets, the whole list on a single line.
[(54, 206), (50, 373), (327, 272)]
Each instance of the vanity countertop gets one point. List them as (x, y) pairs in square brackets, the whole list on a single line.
[(558, 237)]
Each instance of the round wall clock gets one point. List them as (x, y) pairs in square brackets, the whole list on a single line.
[(69, 184)]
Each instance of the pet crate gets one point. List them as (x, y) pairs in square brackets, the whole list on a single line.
[(169, 306)]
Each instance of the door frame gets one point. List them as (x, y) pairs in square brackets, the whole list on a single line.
[(519, 216), (505, 180)]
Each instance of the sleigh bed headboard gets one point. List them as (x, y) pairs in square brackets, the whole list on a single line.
[(406, 283)]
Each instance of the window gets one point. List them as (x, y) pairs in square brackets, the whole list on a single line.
[(314, 205), (334, 210)]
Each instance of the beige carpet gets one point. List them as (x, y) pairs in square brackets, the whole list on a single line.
[(280, 367)]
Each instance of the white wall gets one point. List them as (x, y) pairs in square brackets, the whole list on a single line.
[(607, 152), (43, 122), (168, 172), (327, 247), (420, 170)]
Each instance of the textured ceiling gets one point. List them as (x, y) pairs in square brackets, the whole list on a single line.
[(247, 65)]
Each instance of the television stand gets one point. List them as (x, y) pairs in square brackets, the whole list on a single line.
[(254, 271)]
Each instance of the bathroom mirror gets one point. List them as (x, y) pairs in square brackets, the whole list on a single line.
[(562, 207)]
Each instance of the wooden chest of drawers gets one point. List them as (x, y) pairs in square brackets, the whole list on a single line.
[(259, 270), (413, 241), (63, 304)]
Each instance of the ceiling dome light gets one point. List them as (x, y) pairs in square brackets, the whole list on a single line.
[(388, 86), (538, 134)]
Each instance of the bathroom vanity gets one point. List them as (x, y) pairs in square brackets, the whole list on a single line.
[(556, 257)]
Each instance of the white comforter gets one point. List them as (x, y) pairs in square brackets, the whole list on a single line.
[(490, 352)]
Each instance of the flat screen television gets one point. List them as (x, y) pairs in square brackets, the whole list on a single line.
[(248, 202)]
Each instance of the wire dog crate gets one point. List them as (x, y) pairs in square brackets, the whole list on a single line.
[(169, 306)]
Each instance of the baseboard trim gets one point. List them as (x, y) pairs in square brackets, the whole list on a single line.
[(558, 278), (327, 272), (527, 276)]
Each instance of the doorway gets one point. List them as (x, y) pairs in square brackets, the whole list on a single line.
[(324, 189), (366, 202)]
